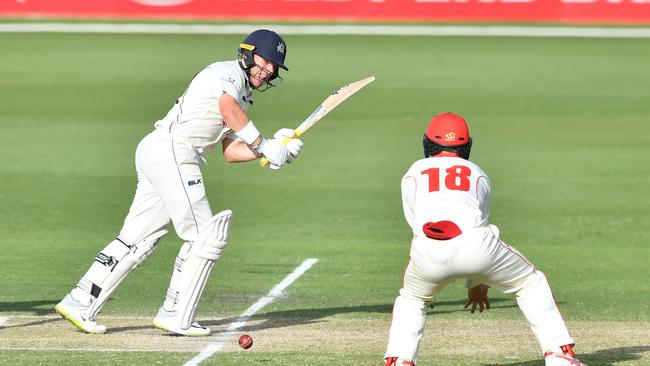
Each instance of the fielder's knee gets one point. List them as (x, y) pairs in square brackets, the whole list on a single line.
[(410, 295), (534, 280)]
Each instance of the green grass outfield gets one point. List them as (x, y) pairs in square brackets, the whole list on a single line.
[(562, 126)]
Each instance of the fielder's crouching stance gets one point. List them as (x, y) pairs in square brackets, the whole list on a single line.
[(446, 201), (170, 186)]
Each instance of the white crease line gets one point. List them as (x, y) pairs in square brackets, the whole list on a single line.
[(3, 320), (115, 317), (104, 350), (276, 292), (340, 29)]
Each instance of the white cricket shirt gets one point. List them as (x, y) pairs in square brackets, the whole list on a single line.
[(445, 188), (196, 115)]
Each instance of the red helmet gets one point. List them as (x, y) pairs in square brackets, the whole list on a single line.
[(447, 132)]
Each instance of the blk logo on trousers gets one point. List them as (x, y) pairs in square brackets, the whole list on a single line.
[(193, 182)]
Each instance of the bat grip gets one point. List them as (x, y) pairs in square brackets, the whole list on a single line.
[(264, 162)]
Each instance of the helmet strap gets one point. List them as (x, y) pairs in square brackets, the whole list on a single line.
[(246, 61)]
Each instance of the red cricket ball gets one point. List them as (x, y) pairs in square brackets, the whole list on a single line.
[(245, 341)]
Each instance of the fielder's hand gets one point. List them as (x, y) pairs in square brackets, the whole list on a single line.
[(274, 151), (293, 144), (478, 296)]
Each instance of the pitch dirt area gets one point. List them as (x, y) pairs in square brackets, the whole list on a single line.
[(335, 334)]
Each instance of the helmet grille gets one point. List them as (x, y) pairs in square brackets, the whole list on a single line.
[(431, 148)]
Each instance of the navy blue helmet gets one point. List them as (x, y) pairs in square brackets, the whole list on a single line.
[(267, 44)]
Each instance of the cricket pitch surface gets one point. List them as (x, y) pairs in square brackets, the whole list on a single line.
[(334, 334)]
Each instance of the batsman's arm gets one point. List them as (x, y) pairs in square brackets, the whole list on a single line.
[(265, 162), (235, 151), (238, 120), (319, 113)]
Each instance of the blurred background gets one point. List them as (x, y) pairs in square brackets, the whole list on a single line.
[(549, 11), (556, 93)]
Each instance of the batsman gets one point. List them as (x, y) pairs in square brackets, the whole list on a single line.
[(446, 201), (170, 187)]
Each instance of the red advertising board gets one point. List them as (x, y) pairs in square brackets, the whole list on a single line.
[(553, 11)]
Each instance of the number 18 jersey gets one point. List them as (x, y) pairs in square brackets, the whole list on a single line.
[(445, 189)]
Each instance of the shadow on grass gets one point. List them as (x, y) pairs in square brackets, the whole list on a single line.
[(275, 319), (286, 318), (37, 307), (31, 324), (604, 357)]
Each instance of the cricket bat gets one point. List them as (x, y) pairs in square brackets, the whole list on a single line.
[(336, 98)]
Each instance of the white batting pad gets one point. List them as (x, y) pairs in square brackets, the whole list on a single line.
[(193, 266), (171, 299), (110, 268), (213, 237)]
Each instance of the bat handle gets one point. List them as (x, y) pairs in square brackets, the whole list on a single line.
[(264, 162)]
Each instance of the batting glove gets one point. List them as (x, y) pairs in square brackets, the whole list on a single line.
[(283, 133), (275, 151), (294, 145)]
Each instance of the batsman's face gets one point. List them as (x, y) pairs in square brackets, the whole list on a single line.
[(261, 72)]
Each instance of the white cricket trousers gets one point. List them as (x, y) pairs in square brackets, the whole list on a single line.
[(481, 257), (170, 187)]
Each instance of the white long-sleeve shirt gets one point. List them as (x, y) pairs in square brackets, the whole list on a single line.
[(196, 115)]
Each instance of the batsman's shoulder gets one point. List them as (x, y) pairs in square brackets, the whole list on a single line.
[(228, 74), (225, 69)]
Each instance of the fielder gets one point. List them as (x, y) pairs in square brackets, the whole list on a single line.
[(168, 161), (446, 200)]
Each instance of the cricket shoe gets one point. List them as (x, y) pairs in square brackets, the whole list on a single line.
[(166, 320), (394, 361), (562, 356), (73, 311)]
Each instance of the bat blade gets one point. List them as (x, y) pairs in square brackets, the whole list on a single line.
[(331, 102), (336, 98)]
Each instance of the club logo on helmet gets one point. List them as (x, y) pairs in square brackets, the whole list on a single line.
[(450, 137), (280, 48), (447, 132)]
